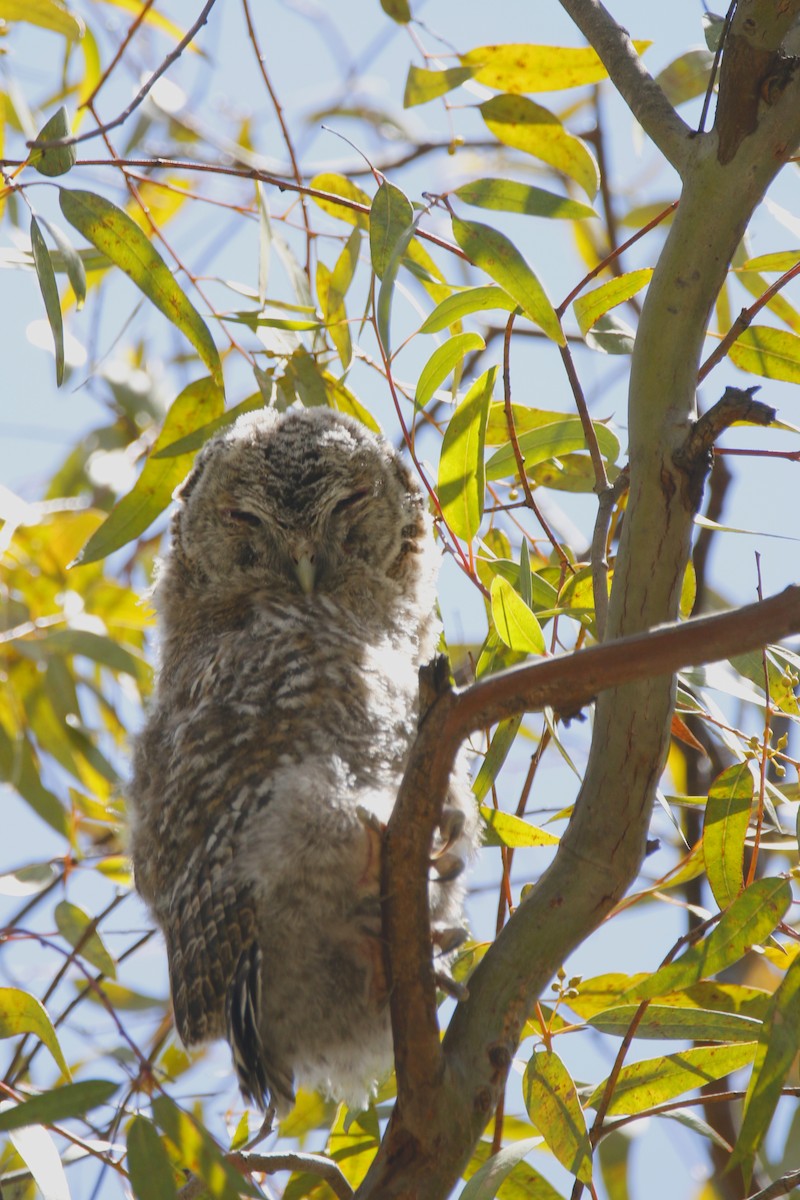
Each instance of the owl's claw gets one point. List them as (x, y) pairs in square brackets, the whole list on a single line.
[(374, 830), (446, 859)]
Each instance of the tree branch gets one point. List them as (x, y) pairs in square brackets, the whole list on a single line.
[(634, 83), (449, 1101)]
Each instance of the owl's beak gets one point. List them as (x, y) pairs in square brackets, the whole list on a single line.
[(305, 570)]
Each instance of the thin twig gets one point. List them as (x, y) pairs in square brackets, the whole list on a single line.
[(287, 137), (134, 25), (743, 320), (701, 124), (140, 96), (520, 461)]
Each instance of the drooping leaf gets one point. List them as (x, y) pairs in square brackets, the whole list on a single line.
[(36, 1148), (390, 216), (69, 1100), (504, 829), (112, 231), (778, 1047), (461, 481), (522, 67), (553, 1105), (54, 160), (197, 405), (727, 816), (391, 229), (513, 619), (72, 261), (502, 741), (48, 14), (519, 122), (339, 185), (22, 1013), (495, 254), (507, 195), (442, 362), (151, 1173), (52, 305), (73, 925), (653, 1081), (422, 85), (771, 353), (450, 310), (334, 313), (597, 302), (748, 922)]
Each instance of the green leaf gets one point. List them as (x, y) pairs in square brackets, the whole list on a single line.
[(461, 483), (70, 1100), (528, 68), (665, 1021), (771, 353), (611, 335), (502, 741), (656, 1080), (470, 300), (391, 228), (594, 304), (52, 305), (778, 1047), (504, 829), (198, 437), (389, 219), (398, 10), (197, 404), (780, 260), (199, 1153), (488, 1179), (113, 232), (339, 185), (492, 251), (518, 122), (151, 1173), (422, 85), (442, 362), (18, 767), (506, 195), (334, 313), (748, 922), (727, 816), (22, 1013), (72, 261), (73, 925), (553, 1106), (513, 620), (686, 76), (551, 441), (54, 160), (47, 14)]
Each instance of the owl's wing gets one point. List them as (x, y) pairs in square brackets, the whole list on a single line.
[(212, 922), (215, 967)]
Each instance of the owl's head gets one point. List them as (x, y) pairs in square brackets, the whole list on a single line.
[(304, 503)]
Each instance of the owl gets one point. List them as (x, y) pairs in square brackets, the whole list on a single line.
[(296, 606)]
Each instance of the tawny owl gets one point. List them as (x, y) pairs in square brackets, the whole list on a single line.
[(296, 606)]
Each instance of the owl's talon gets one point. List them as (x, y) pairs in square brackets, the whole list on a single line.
[(374, 830), (448, 938)]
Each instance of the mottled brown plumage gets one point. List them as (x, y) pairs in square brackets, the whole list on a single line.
[(296, 606)]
